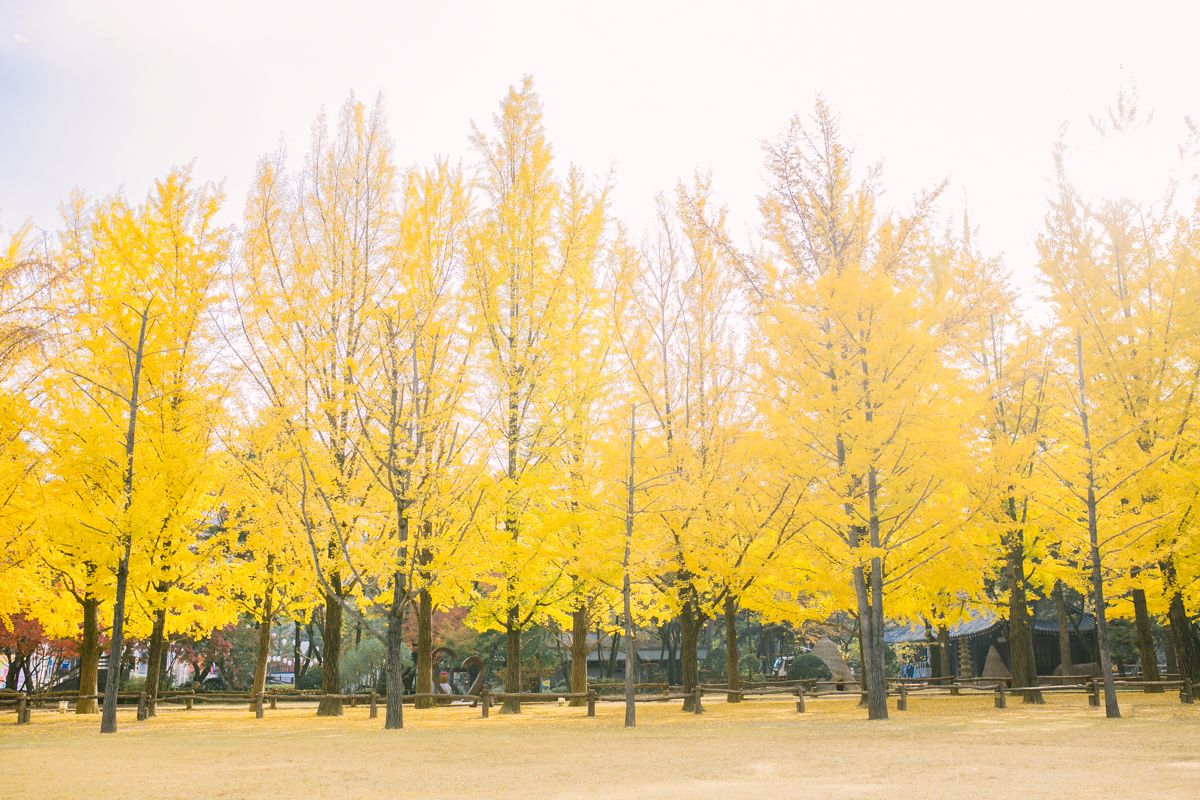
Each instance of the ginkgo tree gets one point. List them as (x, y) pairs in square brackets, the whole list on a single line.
[(1119, 277), (863, 309), (522, 259), (134, 398)]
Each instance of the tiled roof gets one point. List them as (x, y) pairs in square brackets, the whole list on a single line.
[(985, 622)]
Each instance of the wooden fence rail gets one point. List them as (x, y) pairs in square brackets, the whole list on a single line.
[(802, 690)]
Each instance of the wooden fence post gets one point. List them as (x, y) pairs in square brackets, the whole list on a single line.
[(188, 700), (696, 707), (141, 711), (1094, 695), (258, 709), (374, 707), (272, 698), (799, 699), (591, 702), (1185, 691), (902, 700), (22, 709), (485, 701), (1001, 698)]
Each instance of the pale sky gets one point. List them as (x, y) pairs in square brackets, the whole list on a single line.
[(100, 95)]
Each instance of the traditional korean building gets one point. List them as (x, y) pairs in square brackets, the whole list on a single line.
[(973, 637)]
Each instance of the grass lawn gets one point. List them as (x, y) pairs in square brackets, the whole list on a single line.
[(941, 747)]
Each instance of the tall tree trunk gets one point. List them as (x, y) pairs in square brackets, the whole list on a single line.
[(947, 663), (732, 659), (112, 679), (1020, 631), (13, 675), (1169, 646), (1185, 641), (862, 667), (154, 659), (579, 651), (394, 661), (298, 667), (512, 661), (89, 657), (264, 632), (331, 663), (870, 623), (690, 621), (424, 683), (1111, 709), (1187, 654), (1064, 632), (264, 648), (1147, 654)]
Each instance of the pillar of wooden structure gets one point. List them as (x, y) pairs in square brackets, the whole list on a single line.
[(591, 698), (1001, 698), (22, 709), (141, 708), (258, 706), (188, 700), (1094, 694), (799, 699), (485, 702), (902, 700), (696, 707), (374, 706)]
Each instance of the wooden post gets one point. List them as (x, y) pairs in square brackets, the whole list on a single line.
[(1001, 698), (485, 701), (902, 700), (22, 709), (696, 707), (258, 709), (272, 702), (591, 702), (374, 707), (799, 699), (1094, 695), (191, 696), (141, 711), (1185, 691)]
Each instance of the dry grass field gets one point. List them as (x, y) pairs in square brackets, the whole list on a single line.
[(942, 747)]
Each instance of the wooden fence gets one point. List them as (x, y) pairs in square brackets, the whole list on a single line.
[(802, 690)]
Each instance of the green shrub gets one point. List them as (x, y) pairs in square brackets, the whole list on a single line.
[(750, 666), (311, 680), (715, 662), (133, 684), (808, 668)]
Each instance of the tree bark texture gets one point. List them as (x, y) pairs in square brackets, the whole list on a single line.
[(690, 621), (1186, 652), (1064, 631), (154, 659), (512, 661), (732, 657), (264, 647), (424, 683), (331, 662), (579, 651), (1147, 654), (394, 657), (1020, 629), (944, 652), (89, 657)]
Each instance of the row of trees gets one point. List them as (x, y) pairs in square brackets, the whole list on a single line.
[(393, 390)]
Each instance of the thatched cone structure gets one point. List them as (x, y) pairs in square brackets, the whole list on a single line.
[(827, 651), (994, 666)]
